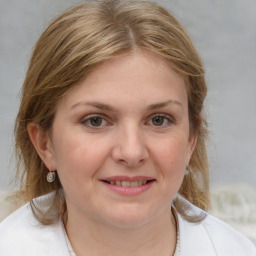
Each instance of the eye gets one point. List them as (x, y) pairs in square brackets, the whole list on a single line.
[(160, 120), (94, 121)]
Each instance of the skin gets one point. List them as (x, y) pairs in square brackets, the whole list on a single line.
[(141, 129)]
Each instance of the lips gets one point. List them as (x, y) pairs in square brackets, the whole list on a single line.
[(127, 186), (128, 181)]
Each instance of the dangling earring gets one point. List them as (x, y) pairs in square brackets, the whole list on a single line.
[(187, 171), (51, 176)]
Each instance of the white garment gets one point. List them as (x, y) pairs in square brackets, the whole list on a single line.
[(22, 235)]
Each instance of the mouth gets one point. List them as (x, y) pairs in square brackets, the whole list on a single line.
[(126, 183), (128, 186)]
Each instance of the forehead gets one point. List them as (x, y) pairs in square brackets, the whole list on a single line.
[(143, 60), (134, 76)]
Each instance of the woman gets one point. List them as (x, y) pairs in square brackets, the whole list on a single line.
[(110, 138)]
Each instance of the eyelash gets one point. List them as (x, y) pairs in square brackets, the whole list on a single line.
[(165, 117), (103, 118), (85, 121)]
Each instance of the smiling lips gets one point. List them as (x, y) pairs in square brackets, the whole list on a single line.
[(126, 183), (129, 186)]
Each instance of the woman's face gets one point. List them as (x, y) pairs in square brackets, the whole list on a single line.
[(120, 141)]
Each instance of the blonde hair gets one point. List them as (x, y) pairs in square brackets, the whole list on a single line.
[(74, 44)]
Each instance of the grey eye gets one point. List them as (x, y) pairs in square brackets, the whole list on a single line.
[(96, 121)]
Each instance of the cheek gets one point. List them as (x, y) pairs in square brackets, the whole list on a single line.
[(77, 168), (172, 153), (169, 160), (76, 156)]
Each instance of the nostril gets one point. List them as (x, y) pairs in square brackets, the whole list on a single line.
[(130, 153)]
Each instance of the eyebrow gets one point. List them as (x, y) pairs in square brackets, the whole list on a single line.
[(106, 107), (95, 104), (164, 104)]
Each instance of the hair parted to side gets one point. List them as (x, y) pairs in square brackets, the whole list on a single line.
[(73, 45)]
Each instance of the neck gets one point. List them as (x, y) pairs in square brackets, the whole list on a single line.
[(157, 237)]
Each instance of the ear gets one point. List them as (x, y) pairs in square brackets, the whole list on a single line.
[(43, 145), (192, 141)]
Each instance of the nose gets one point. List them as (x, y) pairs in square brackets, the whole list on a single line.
[(130, 147)]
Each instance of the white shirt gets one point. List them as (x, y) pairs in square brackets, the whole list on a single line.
[(22, 235)]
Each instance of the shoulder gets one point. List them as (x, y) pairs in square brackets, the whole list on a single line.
[(227, 240), (22, 235), (212, 236)]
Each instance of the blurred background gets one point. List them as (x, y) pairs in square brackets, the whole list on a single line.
[(224, 32)]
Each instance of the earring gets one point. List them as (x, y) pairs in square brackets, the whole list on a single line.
[(187, 171), (50, 176)]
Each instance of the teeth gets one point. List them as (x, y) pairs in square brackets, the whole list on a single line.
[(134, 184), (137, 183), (125, 183)]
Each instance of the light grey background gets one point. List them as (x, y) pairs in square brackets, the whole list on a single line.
[(224, 32)]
